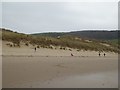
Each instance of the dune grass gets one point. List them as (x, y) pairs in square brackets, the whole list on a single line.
[(63, 41)]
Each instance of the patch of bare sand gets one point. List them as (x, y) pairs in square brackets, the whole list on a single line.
[(60, 72)]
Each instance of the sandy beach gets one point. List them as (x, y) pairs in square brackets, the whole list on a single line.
[(59, 44), (47, 68)]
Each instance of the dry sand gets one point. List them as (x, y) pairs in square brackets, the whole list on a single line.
[(29, 51), (47, 68)]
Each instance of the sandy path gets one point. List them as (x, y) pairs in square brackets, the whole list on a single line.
[(46, 72)]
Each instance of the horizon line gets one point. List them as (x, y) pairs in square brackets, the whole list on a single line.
[(62, 31)]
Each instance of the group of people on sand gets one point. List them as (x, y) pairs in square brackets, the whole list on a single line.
[(99, 54), (103, 54), (72, 54)]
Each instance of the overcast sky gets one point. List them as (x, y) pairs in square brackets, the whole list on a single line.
[(34, 17)]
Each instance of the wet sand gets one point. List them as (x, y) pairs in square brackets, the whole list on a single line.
[(60, 72)]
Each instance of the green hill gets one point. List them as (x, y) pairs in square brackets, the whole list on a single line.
[(100, 35)]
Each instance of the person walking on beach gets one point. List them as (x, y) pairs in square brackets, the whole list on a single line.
[(99, 54), (35, 49), (104, 54)]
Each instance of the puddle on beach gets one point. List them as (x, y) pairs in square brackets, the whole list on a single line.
[(96, 80)]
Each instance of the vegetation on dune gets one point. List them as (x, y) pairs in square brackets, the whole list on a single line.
[(14, 37), (63, 42)]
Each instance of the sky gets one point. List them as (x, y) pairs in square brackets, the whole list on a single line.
[(38, 17)]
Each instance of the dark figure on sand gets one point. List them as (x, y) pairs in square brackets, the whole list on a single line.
[(104, 54), (35, 49), (71, 54), (99, 54)]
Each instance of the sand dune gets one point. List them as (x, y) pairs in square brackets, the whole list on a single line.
[(29, 51)]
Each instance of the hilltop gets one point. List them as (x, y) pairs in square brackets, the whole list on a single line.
[(87, 34), (63, 40)]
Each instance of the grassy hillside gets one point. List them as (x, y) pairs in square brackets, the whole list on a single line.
[(63, 41), (100, 35), (50, 34)]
